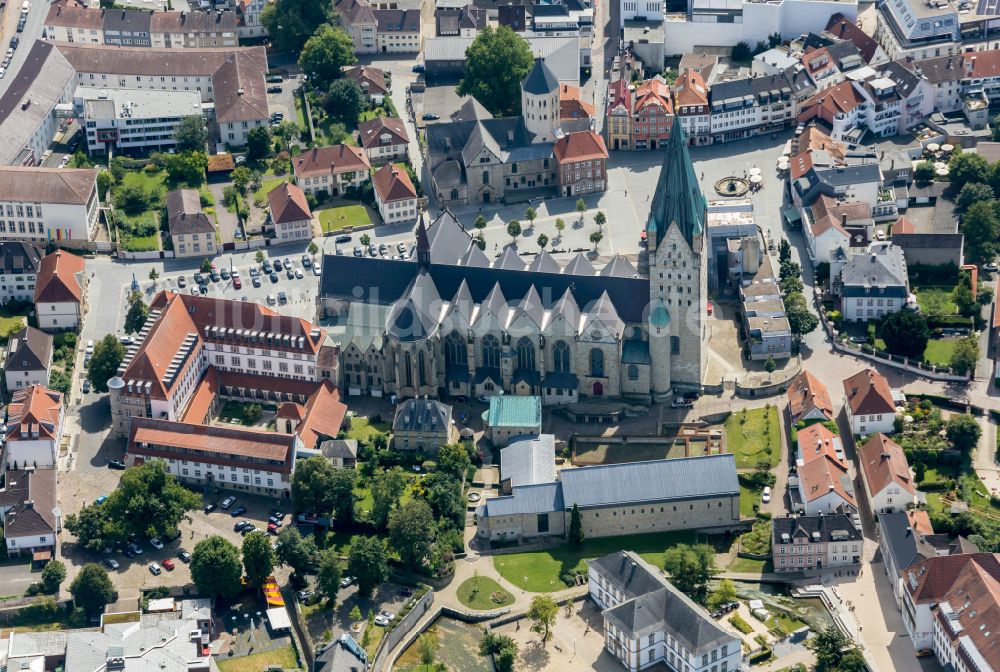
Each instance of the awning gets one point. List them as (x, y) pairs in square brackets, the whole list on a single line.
[(41, 556), (791, 214), (278, 618)]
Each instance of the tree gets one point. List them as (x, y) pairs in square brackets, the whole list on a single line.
[(982, 232), (480, 241), (329, 574), (355, 614), (852, 661), (190, 134), (530, 215), (600, 219), (298, 552), (973, 192), (291, 22), (770, 365), (366, 239), (784, 251), (153, 275), (411, 532), (345, 101), (387, 488), (215, 567), (206, 265), (453, 458), (427, 646), (560, 226), (690, 568), (966, 355), (575, 526), (480, 222), (502, 648), (801, 320), (581, 207), (724, 593), (495, 64), (53, 574), (260, 257), (919, 471), (444, 493), (542, 241), (367, 561), (149, 501), (241, 180), (966, 167), (258, 558), (258, 143), (187, 167), (318, 487), (963, 432), (136, 314), (741, 52), (542, 614), (132, 199), (93, 529), (830, 646), (905, 334), (514, 228), (104, 363), (286, 131), (924, 172), (774, 40), (994, 126), (312, 248), (103, 184), (92, 589), (595, 238), (964, 301)]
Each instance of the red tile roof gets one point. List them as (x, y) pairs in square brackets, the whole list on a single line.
[(903, 225), (838, 99), (816, 442), (868, 393), (572, 105), (324, 415), (930, 580), (59, 278), (822, 476), (691, 90), (920, 521), (33, 413), (619, 96), (288, 204), (806, 393), (654, 91), (975, 600), (582, 146), (845, 29), (883, 463), (330, 161), (366, 73), (393, 184)]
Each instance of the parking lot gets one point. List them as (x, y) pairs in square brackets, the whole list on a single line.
[(133, 574), (389, 600)]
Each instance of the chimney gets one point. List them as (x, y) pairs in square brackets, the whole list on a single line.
[(843, 219), (29, 505)]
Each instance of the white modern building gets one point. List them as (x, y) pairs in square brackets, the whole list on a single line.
[(121, 120), (39, 205), (724, 23), (648, 621)]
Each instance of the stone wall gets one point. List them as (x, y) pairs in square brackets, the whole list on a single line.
[(660, 517)]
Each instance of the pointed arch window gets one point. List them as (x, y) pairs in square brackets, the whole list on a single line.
[(560, 357), (525, 354), (491, 352), (597, 363), (421, 368), (408, 368), (455, 352)]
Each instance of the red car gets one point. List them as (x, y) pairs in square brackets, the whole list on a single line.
[(237, 283), (168, 565), (272, 528)]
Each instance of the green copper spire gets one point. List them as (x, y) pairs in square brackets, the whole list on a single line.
[(678, 197)]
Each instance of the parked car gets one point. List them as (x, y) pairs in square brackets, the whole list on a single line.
[(274, 79), (209, 507), (156, 543), (277, 264), (168, 565), (282, 297), (766, 495), (270, 299), (116, 464), (304, 595), (299, 274), (111, 563), (266, 266), (289, 273), (238, 527), (86, 385), (228, 501), (184, 556), (272, 528), (90, 347), (273, 277), (214, 275), (128, 552), (199, 278), (306, 261), (419, 67), (346, 581), (154, 568), (237, 283), (430, 116), (358, 251), (238, 511), (247, 530), (342, 238), (274, 89), (401, 247), (224, 273), (383, 619), (319, 271), (182, 282), (135, 548)]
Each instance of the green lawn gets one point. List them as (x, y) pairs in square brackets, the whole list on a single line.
[(12, 321), (149, 243), (148, 181), (377, 632), (233, 410), (362, 428), (267, 184), (754, 435), (783, 622), (284, 658), (543, 568), (476, 593), (748, 498), (939, 351), (364, 500), (334, 219), (750, 566), (935, 300)]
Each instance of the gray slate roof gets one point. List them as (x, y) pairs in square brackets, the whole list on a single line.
[(541, 498), (29, 350), (344, 449), (832, 527), (422, 415), (529, 460), (883, 266), (540, 79), (899, 539), (19, 258), (652, 481)]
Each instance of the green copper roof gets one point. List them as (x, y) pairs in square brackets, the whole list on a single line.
[(507, 410), (659, 316), (678, 197)]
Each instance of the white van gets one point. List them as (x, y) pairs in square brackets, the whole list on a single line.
[(766, 496), (25, 6)]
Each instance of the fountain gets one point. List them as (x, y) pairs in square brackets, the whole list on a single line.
[(732, 186)]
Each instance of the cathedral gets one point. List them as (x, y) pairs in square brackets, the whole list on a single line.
[(453, 322)]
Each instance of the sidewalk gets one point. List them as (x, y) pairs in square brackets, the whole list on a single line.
[(984, 458)]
